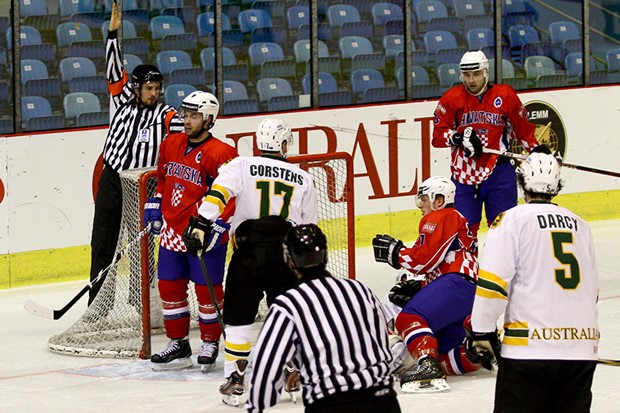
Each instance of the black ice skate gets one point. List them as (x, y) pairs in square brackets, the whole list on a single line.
[(208, 354), (234, 386), (175, 356), (292, 381), (426, 378)]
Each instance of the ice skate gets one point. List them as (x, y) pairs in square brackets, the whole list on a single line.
[(208, 355), (428, 377), (234, 386), (292, 381), (175, 356)]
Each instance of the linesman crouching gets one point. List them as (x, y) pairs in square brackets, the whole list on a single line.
[(323, 314)]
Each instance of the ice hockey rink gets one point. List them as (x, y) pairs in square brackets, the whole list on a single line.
[(33, 379)]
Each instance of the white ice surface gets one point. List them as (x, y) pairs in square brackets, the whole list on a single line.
[(32, 379)]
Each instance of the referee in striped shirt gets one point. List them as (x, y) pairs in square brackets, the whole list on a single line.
[(333, 330), (138, 125)]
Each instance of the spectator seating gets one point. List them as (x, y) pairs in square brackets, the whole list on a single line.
[(270, 88), (448, 75), (251, 19), (466, 8), (327, 83), (169, 60), (565, 38), (478, 38), (518, 36), (86, 119), (79, 102), (357, 52), (508, 70), (70, 32), (130, 61), (175, 93)]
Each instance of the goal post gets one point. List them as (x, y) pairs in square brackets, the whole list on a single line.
[(127, 309)]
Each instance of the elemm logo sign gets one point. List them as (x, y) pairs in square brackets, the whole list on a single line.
[(550, 128)]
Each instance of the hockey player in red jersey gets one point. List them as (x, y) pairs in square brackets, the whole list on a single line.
[(444, 259), (188, 164), (477, 115)]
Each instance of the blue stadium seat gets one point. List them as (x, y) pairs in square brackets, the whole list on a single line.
[(519, 35), (129, 29), (140, 18), (156, 6), (49, 122), (362, 28), (363, 79), (560, 33), (86, 119), (264, 52), (168, 60), (165, 25), (327, 83), (69, 7), (32, 8), (235, 107), (275, 34), (438, 39), (357, 52), (33, 69), (232, 71), (478, 38), (80, 102), (383, 12), (185, 41), (70, 32), (175, 93), (205, 23), (187, 14), (234, 90), (536, 66), (364, 7), (27, 35), (475, 21), (191, 75), (297, 16), (130, 61), (251, 19), (338, 98), (35, 106), (92, 50), (139, 46), (465, 8), (573, 63), (508, 70), (93, 20), (45, 52), (275, 8), (72, 67), (283, 103), (97, 85), (448, 75), (48, 88), (268, 88), (338, 14), (393, 44), (430, 9), (612, 58), (301, 50)]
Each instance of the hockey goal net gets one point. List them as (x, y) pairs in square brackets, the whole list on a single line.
[(127, 309)]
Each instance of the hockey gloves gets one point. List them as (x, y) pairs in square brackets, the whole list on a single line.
[(401, 293), (219, 234), (386, 249), (481, 348), (195, 235), (152, 215), (469, 141)]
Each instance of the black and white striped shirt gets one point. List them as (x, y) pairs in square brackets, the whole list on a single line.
[(135, 133), (335, 332)]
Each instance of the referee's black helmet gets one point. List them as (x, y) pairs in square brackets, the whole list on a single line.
[(305, 246), (144, 74)]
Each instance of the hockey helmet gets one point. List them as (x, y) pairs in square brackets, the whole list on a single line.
[(271, 133), (305, 246), (474, 60), (437, 185), (145, 73), (201, 102), (540, 173)]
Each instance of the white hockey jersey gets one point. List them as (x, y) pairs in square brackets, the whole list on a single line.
[(262, 186), (538, 266)]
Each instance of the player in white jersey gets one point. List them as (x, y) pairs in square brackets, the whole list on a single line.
[(271, 195), (538, 267)]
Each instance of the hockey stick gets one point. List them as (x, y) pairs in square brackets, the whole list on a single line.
[(218, 313), (564, 164), (42, 311), (609, 362)]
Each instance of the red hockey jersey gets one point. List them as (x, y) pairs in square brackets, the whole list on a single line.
[(498, 118), (445, 245), (184, 176)]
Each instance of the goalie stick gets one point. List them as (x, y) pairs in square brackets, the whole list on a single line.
[(42, 311), (564, 164)]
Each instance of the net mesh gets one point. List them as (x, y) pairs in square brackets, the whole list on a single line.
[(127, 309)]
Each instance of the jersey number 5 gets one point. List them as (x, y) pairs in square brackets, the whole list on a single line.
[(567, 278), (279, 189)]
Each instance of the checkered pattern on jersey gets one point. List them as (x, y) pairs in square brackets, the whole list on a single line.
[(171, 240), (466, 170)]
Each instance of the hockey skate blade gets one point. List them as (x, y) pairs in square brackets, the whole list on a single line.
[(433, 386), (178, 364), (206, 368), (231, 399)]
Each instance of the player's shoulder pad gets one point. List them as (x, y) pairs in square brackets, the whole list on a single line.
[(498, 219)]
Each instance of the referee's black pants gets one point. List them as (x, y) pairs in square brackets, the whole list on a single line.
[(106, 225), (373, 400)]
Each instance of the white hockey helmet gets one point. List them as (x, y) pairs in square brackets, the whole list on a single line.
[(540, 173), (271, 133), (474, 60), (201, 102), (437, 185)]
